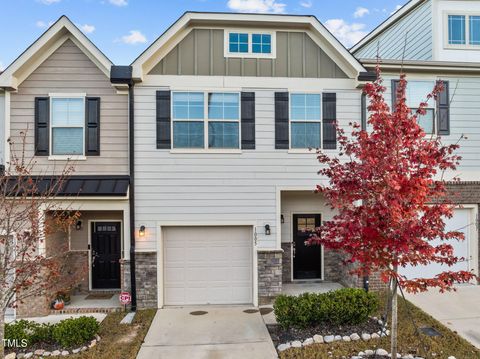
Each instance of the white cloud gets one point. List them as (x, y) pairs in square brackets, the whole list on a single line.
[(135, 37), (257, 6), (87, 28), (398, 7), (118, 2), (42, 24), (348, 34), (307, 4), (49, 2), (360, 12)]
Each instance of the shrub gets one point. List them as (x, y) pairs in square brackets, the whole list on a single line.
[(71, 332), (343, 306), (29, 331)]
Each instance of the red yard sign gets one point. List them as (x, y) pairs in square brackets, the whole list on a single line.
[(125, 298)]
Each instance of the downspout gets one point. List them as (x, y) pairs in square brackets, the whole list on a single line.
[(122, 75)]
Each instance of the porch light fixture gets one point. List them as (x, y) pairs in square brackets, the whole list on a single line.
[(267, 229), (78, 225), (282, 218), (141, 232)]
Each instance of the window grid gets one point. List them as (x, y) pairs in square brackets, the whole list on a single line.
[(474, 38), (238, 42), (220, 114), (67, 123), (414, 97), (250, 44), (456, 29), (261, 43), (305, 120)]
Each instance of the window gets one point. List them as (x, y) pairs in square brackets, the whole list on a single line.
[(238, 42), (261, 44), (214, 116), (456, 29), (416, 92), (251, 44), (67, 125), (474, 30), (305, 120)]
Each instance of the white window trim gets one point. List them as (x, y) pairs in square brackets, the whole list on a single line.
[(206, 121), (249, 54), (73, 157), (304, 150), (467, 45)]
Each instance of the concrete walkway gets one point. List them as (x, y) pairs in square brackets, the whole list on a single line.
[(224, 332), (459, 311)]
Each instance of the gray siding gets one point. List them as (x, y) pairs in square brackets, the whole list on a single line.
[(201, 53), (68, 69), (416, 28), (2, 127), (220, 187)]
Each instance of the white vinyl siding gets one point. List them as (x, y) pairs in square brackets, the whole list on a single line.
[(415, 28), (2, 128)]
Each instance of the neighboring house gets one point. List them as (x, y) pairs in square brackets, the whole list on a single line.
[(226, 107), (59, 92), (439, 40)]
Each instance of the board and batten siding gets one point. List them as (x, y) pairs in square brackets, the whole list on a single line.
[(415, 28), (69, 70), (221, 187), (464, 119), (201, 53)]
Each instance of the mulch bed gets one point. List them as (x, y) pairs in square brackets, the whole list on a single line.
[(280, 335)]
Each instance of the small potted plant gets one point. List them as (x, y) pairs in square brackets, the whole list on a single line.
[(61, 299)]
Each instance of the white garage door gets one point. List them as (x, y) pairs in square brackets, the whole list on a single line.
[(461, 221), (208, 265)]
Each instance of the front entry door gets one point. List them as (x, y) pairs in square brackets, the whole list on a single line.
[(307, 260), (106, 253)]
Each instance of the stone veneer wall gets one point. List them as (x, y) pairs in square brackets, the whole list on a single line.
[(146, 278), (269, 275), (287, 262)]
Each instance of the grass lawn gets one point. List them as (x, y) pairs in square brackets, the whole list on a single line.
[(436, 347), (120, 341)]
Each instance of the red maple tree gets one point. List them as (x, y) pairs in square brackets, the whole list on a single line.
[(387, 190)]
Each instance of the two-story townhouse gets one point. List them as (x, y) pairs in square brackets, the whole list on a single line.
[(434, 40), (59, 93), (226, 109)]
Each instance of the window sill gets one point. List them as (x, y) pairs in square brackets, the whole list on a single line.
[(201, 150), (66, 158), (302, 150)]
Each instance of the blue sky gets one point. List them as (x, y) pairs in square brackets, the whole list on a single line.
[(122, 29)]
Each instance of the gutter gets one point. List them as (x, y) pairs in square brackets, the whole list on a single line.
[(123, 75)]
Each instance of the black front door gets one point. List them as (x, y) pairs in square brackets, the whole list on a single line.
[(307, 260), (106, 252)]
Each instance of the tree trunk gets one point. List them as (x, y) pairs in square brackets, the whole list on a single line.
[(394, 328), (2, 332)]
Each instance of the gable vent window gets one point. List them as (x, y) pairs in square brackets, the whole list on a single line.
[(462, 31), (250, 44)]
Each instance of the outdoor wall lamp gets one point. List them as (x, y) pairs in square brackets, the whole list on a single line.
[(282, 218), (78, 225), (141, 232), (267, 229)]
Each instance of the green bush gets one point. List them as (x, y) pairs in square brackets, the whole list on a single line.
[(67, 333), (343, 306), (71, 332)]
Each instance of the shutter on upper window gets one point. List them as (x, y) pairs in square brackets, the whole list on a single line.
[(42, 130), (281, 121), (92, 126), (248, 120), (329, 119), (443, 110), (164, 120), (394, 93)]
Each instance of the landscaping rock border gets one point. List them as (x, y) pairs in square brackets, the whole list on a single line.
[(383, 353), (41, 353)]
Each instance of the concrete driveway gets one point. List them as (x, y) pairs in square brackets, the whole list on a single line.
[(224, 332), (459, 311)]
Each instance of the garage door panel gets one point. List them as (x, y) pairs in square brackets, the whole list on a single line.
[(208, 265)]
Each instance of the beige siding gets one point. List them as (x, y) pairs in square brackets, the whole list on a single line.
[(69, 70), (201, 53)]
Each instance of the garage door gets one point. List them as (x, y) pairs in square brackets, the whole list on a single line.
[(208, 265), (461, 221)]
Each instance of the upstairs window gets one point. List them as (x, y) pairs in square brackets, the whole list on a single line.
[(305, 120), (67, 125), (416, 92), (474, 30), (188, 115), (250, 44), (456, 29), (463, 31)]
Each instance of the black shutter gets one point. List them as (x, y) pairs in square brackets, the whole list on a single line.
[(164, 140), (443, 110), (364, 111), (248, 120), (281, 121), (92, 126), (394, 93), (329, 120), (42, 130)]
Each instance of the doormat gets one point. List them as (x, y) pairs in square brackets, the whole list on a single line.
[(99, 296)]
